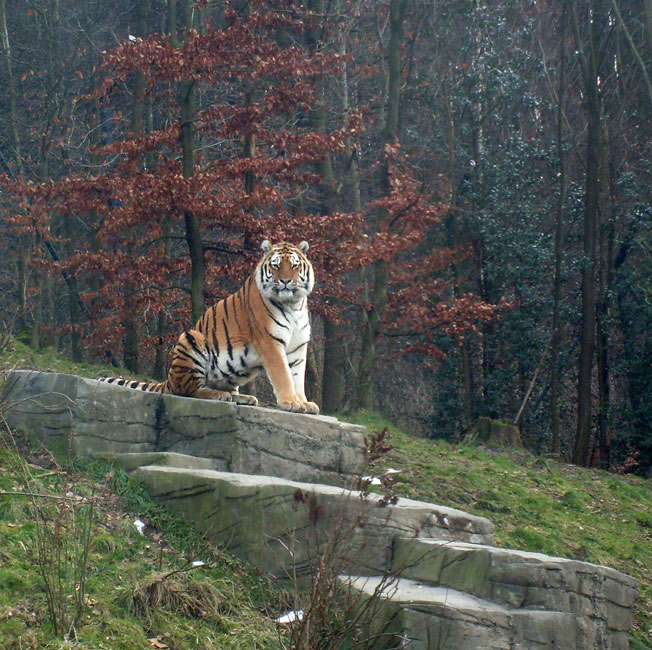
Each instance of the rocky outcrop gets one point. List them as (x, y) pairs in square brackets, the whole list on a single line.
[(274, 488), (95, 417)]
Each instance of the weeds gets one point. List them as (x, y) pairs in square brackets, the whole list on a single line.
[(63, 522), (175, 591), (332, 615)]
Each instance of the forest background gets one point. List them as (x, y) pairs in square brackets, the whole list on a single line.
[(473, 177)]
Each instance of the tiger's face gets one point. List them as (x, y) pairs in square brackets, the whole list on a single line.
[(284, 273)]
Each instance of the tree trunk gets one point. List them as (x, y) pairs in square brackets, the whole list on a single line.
[(21, 261), (355, 198), (249, 146), (35, 340), (333, 383), (160, 370), (591, 205), (606, 246), (557, 279), (364, 392), (467, 386), (313, 379), (131, 344), (50, 302), (389, 135), (74, 300), (186, 124)]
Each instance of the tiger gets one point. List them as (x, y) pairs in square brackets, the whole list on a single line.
[(263, 325)]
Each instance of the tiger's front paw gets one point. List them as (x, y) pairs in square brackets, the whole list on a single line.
[(292, 406), (311, 408)]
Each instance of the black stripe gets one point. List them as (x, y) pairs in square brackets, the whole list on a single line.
[(278, 306), (226, 308), (235, 313), (297, 348), (191, 338), (296, 362), (120, 382), (275, 337), (274, 319), (187, 355), (229, 347)]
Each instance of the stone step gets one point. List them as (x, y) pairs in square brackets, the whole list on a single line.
[(519, 579), (280, 525), (131, 461), (409, 614), (515, 578)]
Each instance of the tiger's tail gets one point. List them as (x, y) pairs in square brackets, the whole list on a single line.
[(147, 386)]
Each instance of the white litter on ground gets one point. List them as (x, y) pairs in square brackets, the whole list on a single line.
[(290, 617)]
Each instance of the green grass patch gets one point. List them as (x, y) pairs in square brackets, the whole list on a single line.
[(21, 356), (218, 605)]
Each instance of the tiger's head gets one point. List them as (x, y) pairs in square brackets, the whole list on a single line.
[(284, 273)]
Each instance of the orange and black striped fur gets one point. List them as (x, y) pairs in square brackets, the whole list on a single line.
[(263, 325)]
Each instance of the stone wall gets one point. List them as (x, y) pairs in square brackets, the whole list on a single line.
[(96, 417)]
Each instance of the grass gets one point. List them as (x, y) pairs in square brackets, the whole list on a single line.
[(219, 605), (19, 355), (536, 504)]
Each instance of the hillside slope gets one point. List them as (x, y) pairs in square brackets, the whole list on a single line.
[(142, 589), (536, 503)]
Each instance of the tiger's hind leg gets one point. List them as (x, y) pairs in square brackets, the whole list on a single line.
[(187, 374), (210, 393), (238, 398)]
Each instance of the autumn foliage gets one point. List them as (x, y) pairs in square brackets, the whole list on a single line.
[(252, 177)]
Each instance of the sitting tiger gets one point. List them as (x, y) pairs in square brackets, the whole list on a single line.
[(265, 324)]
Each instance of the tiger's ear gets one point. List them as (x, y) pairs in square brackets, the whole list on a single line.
[(266, 246), (304, 246)]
